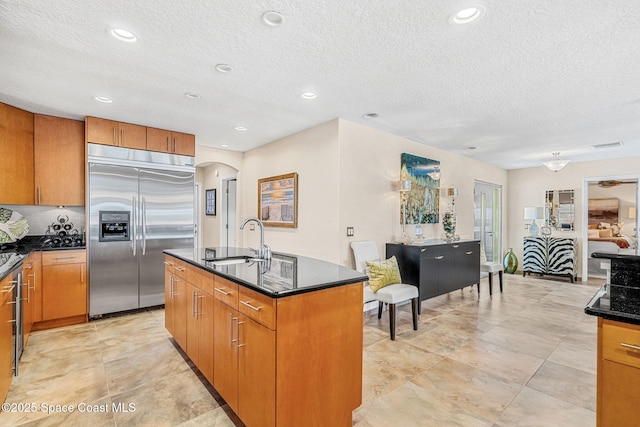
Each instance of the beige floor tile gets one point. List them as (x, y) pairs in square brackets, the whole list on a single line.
[(566, 383)]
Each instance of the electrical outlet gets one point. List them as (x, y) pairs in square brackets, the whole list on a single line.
[(349, 231)]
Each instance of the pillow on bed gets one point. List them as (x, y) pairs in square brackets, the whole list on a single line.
[(607, 232), (617, 229), (593, 226), (603, 226), (594, 234)]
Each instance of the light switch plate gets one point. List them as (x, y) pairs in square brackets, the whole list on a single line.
[(349, 231)]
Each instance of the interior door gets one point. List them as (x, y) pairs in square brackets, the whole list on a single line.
[(487, 222), (228, 212), (165, 222)]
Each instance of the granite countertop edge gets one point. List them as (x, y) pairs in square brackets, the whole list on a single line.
[(594, 308)]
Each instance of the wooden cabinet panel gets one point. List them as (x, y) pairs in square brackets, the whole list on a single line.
[(59, 161), (180, 311), (16, 156), (169, 307), (64, 284), (200, 278), (171, 142), (6, 316), (34, 276), (225, 360), (618, 379), (110, 132), (205, 313), (258, 307)]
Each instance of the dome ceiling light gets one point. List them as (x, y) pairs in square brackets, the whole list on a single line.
[(103, 99), (555, 164), (272, 18), (309, 95), (224, 68), (467, 15), (124, 35)]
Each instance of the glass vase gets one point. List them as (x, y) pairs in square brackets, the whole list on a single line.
[(510, 262)]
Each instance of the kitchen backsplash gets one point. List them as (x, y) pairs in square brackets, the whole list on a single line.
[(41, 217)]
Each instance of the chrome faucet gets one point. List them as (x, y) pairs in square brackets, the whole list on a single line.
[(264, 252)]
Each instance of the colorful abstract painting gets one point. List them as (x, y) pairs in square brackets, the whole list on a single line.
[(423, 200), (278, 200)]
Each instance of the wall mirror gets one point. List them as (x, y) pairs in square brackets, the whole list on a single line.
[(559, 209)]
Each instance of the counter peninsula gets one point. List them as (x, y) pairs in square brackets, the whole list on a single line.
[(279, 340), (617, 305)]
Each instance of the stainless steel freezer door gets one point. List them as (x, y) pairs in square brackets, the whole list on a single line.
[(113, 266), (166, 222)]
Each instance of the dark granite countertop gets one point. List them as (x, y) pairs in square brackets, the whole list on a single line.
[(13, 254), (615, 302), (283, 275), (433, 242)]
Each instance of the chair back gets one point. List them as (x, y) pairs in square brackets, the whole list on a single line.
[(364, 251)]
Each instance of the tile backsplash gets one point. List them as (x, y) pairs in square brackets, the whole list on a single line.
[(40, 218)]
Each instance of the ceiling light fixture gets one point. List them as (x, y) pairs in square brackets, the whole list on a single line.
[(224, 145), (371, 115), (103, 99), (272, 18), (467, 15), (192, 95), (240, 128), (224, 68), (555, 164), (309, 95), (124, 35)]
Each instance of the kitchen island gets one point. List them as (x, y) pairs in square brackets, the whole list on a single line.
[(280, 340), (617, 305)]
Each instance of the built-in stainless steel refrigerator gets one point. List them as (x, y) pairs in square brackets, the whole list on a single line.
[(140, 203)]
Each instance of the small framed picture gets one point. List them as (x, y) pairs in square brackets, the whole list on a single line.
[(210, 202)]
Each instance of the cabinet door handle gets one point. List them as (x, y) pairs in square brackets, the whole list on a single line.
[(174, 144), (37, 195), (246, 303), (63, 257), (439, 257), (231, 319), (193, 304), (34, 280), (222, 291), (168, 146), (8, 289), (456, 246), (122, 137), (168, 263), (469, 252), (81, 273), (630, 346), (238, 335)]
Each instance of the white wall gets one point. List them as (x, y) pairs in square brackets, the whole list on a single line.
[(528, 186)]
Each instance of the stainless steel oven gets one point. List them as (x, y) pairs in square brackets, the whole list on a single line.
[(18, 324)]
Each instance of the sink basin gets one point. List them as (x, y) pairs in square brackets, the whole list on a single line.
[(227, 261)]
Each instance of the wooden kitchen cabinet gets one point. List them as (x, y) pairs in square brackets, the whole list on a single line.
[(64, 285), (171, 142), (110, 132), (6, 332), (16, 156), (618, 378), (59, 161), (175, 300), (31, 293)]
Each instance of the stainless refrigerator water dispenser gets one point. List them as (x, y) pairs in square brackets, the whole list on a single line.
[(114, 226)]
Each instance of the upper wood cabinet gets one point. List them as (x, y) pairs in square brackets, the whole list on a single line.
[(16, 156), (109, 132), (59, 161), (171, 142)]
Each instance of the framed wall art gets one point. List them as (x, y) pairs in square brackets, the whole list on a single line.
[(278, 200), (210, 202), (423, 199)]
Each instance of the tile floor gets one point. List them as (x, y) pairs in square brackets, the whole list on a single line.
[(526, 357)]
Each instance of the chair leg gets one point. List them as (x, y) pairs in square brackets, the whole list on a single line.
[(414, 311), (392, 321), (379, 310), (500, 277), (490, 283), (478, 287)]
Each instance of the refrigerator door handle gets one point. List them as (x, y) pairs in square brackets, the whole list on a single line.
[(144, 226), (133, 225)]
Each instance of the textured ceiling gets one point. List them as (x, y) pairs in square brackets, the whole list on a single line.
[(527, 79)]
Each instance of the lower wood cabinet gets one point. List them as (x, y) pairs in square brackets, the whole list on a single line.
[(6, 332), (288, 361), (175, 300), (64, 285), (618, 378)]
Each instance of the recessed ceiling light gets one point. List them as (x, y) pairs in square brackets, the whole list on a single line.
[(468, 14), (240, 128), (224, 145), (192, 95), (309, 95), (272, 18), (103, 99), (371, 115), (471, 147), (224, 68), (124, 35)]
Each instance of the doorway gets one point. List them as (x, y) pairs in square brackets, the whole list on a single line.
[(487, 218), (228, 212)]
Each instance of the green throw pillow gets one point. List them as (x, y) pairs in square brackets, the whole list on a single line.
[(383, 273)]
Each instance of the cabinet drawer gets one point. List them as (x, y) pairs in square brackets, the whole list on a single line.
[(176, 266), (225, 291), (621, 343), (258, 307), (200, 278), (64, 257)]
